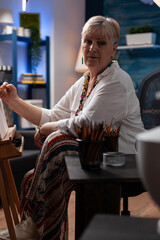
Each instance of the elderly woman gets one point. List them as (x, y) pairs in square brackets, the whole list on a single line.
[(104, 92)]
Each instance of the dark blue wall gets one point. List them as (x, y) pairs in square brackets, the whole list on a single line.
[(94, 7), (138, 63)]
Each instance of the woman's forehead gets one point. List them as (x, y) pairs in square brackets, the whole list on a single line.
[(96, 35)]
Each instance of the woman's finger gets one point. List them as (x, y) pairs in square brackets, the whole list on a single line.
[(38, 138)]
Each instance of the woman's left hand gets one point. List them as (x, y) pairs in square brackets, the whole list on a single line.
[(44, 131)]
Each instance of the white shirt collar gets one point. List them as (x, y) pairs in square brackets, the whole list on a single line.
[(105, 72)]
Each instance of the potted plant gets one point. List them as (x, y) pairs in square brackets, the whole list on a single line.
[(35, 49), (31, 21), (143, 35)]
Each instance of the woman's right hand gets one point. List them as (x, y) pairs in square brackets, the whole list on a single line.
[(8, 92)]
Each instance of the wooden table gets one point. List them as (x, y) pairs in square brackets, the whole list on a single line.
[(113, 227), (98, 191)]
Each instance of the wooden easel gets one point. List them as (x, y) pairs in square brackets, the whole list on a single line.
[(8, 191)]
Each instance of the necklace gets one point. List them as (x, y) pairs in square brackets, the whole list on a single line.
[(84, 92)]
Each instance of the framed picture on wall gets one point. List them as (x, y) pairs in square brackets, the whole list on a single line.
[(30, 21)]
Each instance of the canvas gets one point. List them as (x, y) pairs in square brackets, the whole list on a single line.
[(3, 122)]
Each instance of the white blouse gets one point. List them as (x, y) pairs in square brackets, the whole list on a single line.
[(112, 98)]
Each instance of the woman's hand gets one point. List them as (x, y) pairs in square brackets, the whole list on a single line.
[(8, 92), (44, 131)]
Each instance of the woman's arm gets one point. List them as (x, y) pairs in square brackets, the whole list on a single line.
[(8, 94), (28, 111)]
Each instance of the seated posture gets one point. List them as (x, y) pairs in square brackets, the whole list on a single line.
[(103, 93)]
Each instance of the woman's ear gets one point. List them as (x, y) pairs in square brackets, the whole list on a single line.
[(115, 46), (114, 49)]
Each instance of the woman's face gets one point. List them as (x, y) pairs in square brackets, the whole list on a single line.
[(97, 51)]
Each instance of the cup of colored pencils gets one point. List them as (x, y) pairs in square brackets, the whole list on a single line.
[(111, 135), (91, 140)]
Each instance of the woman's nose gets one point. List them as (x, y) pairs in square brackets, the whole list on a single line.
[(93, 47)]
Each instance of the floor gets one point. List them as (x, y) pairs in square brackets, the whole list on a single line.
[(140, 206)]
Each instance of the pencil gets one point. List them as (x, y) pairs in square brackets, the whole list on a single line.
[(2, 87)]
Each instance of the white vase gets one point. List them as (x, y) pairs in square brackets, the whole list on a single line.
[(141, 39), (148, 161)]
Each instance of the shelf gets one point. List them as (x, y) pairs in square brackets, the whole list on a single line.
[(7, 37), (14, 39), (138, 47), (38, 85)]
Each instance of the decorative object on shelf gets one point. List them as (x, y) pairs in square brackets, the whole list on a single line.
[(27, 32), (143, 29), (80, 65), (32, 21), (20, 31), (141, 36), (5, 73), (9, 30), (30, 78), (157, 2), (6, 17)]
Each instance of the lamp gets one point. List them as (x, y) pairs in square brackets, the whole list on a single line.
[(80, 66), (157, 2), (5, 18)]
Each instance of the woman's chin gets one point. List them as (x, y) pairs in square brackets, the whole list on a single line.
[(92, 65)]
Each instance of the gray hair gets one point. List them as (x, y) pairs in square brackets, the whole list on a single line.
[(107, 26)]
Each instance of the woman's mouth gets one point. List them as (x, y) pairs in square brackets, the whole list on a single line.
[(92, 57)]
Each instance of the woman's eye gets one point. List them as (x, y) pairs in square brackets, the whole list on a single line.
[(101, 43), (87, 41)]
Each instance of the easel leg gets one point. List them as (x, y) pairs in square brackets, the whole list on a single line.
[(11, 190), (6, 208), (12, 183)]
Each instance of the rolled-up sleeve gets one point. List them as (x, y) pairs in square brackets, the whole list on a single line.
[(60, 111), (66, 107)]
